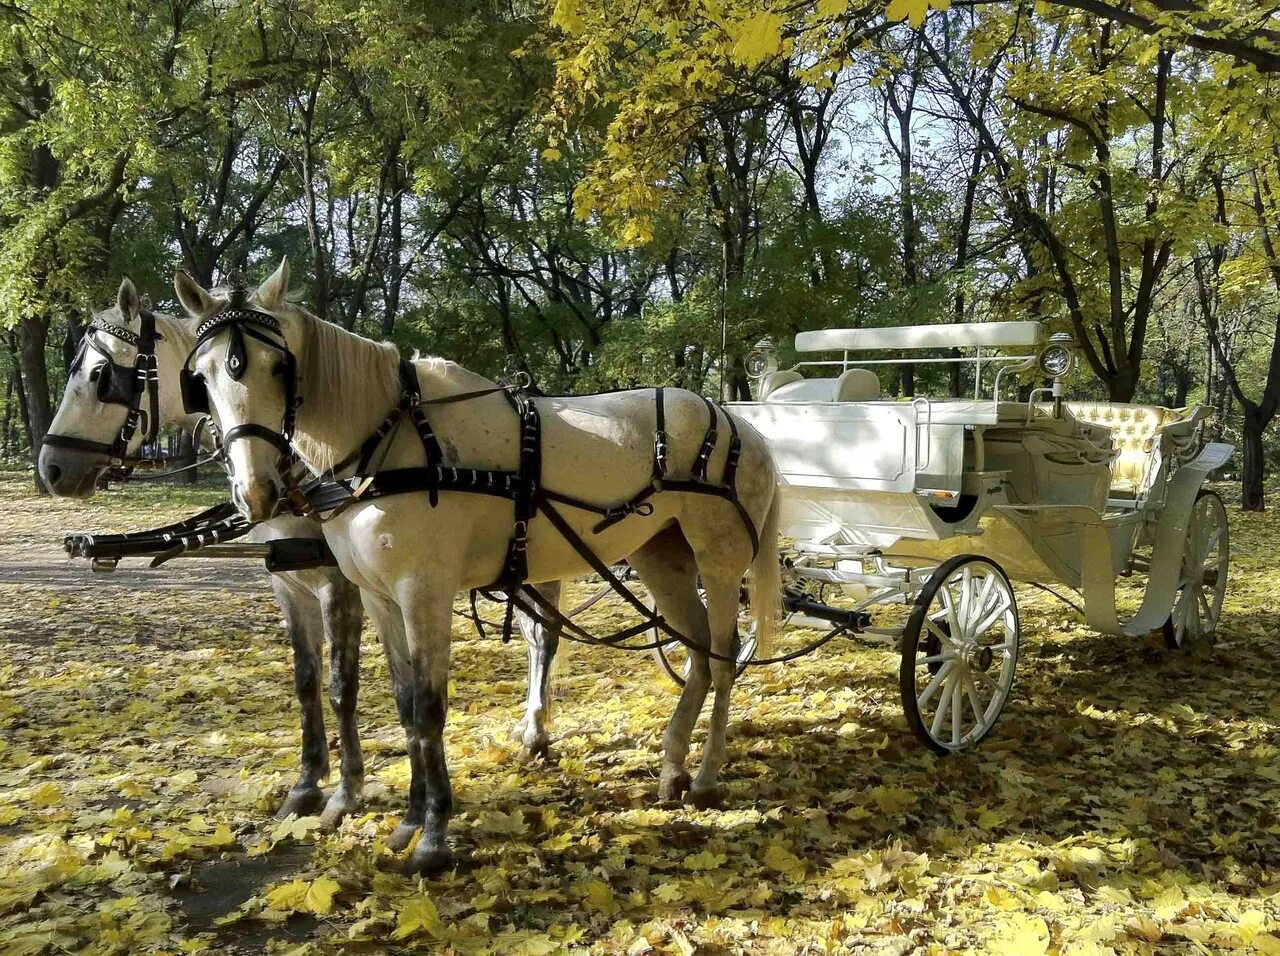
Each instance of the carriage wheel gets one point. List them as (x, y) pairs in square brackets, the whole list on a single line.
[(1206, 557), (959, 653), (674, 656)]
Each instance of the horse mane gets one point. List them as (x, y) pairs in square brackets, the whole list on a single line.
[(347, 384)]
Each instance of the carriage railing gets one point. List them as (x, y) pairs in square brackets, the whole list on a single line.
[(978, 360)]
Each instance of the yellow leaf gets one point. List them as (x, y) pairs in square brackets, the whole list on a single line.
[(600, 897), (46, 795), (419, 914), (566, 17), (550, 154), (779, 858), (319, 899), (288, 898), (756, 39), (913, 10), (1021, 936)]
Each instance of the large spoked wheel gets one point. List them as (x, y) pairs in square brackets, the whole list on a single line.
[(1206, 557), (959, 653), (674, 656)]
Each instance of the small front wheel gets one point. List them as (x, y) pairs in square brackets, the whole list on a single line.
[(959, 653)]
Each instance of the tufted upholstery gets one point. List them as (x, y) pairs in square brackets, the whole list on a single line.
[(854, 385), (1143, 436)]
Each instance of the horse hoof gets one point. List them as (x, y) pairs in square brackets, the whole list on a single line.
[(540, 749), (401, 836), (339, 807), (672, 788), (302, 802), (707, 798), (429, 862)]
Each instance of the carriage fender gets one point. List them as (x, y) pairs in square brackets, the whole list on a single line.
[(1171, 532)]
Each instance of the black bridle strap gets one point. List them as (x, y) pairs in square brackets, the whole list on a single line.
[(254, 430)]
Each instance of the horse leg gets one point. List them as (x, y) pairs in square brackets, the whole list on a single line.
[(340, 607), (389, 623), (722, 593), (543, 642), (428, 624), (302, 621), (666, 565)]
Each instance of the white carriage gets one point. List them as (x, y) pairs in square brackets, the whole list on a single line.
[(942, 504)]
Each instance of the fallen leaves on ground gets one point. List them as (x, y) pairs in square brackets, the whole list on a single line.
[(1129, 800)]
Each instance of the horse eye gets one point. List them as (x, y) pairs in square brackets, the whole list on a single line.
[(279, 369), (95, 373)]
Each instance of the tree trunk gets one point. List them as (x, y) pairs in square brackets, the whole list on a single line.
[(1251, 488), (32, 335)]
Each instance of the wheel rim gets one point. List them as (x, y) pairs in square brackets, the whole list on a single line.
[(965, 655), (1202, 585)]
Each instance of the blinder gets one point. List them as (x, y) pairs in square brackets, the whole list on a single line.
[(118, 384), (195, 392)]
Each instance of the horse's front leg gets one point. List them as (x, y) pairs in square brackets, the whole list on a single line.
[(341, 610), (302, 621), (428, 622), (531, 730), (388, 621)]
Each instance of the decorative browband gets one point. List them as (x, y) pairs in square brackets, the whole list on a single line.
[(233, 316), (118, 331)]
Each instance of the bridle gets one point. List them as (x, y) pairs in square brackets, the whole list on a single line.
[(239, 321), (121, 385)]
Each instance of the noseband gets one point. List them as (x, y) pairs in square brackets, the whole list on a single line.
[(121, 385), (239, 322)]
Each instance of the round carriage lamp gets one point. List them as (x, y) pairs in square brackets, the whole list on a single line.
[(1056, 358), (761, 361)]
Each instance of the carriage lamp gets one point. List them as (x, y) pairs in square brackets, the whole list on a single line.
[(1056, 360), (762, 360)]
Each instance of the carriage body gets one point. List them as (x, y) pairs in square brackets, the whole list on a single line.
[(881, 497)]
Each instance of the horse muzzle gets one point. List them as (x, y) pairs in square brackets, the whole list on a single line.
[(69, 472)]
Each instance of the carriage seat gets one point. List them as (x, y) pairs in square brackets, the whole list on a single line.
[(853, 385), (1144, 437)]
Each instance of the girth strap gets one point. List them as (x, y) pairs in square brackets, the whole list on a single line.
[(659, 439)]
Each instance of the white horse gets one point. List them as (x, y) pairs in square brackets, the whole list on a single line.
[(411, 558), (319, 606)]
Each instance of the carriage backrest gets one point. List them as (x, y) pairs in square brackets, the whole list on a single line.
[(1142, 435)]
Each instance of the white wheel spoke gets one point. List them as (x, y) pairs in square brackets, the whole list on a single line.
[(957, 708), (975, 702), (936, 659), (950, 606), (945, 639), (989, 680), (934, 685), (991, 618), (944, 705)]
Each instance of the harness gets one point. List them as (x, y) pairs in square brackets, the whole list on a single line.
[(325, 499), (121, 385)]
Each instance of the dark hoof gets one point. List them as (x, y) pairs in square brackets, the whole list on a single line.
[(672, 789), (402, 836), (709, 798), (301, 802), (339, 807), (429, 862), (538, 750)]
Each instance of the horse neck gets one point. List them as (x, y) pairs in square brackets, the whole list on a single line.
[(441, 377), (173, 345), (347, 384)]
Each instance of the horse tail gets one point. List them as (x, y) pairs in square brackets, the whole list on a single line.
[(764, 580)]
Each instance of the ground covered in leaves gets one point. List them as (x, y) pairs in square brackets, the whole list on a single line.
[(1129, 800)]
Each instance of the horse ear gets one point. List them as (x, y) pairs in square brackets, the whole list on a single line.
[(127, 301), (192, 295), (271, 294)]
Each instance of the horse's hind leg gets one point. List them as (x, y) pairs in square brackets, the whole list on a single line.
[(389, 622), (722, 619), (666, 565), (340, 607), (543, 642), (302, 621)]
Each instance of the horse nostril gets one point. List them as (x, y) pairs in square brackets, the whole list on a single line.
[(52, 473)]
